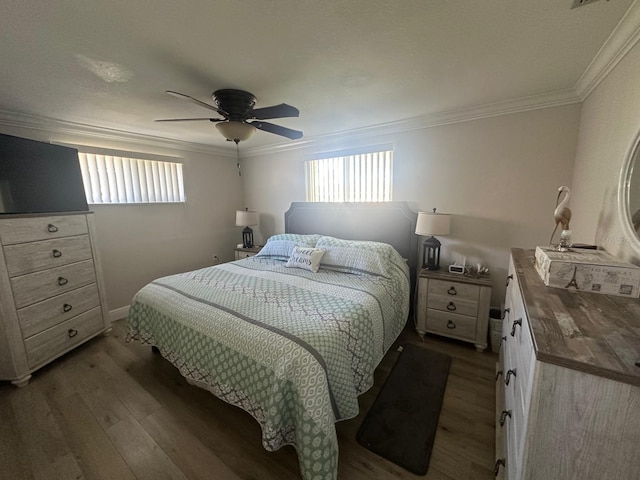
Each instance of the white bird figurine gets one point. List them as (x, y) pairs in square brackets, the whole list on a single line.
[(562, 213)]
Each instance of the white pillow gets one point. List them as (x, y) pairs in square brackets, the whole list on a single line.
[(280, 246), (359, 257), (306, 258)]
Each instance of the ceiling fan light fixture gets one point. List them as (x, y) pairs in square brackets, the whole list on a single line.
[(235, 131)]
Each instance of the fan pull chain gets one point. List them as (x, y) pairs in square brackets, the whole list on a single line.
[(238, 158)]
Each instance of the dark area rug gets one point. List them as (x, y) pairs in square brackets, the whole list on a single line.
[(402, 422)]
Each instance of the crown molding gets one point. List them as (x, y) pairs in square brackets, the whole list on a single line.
[(622, 39), (94, 133), (63, 127), (51, 125), (524, 104)]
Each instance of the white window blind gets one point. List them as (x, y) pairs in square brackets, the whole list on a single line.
[(362, 177), (113, 179)]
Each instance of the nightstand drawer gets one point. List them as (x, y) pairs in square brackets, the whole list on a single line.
[(453, 305), (452, 289), (246, 252), (451, 324)]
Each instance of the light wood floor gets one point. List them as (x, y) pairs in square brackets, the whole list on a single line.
[(114, 411)]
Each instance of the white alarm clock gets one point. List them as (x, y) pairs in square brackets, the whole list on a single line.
[(456, 268)]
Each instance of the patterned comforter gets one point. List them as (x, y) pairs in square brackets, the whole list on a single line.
[(291, 347)]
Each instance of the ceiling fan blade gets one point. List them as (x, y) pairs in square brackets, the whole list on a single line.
[(277, 129), (276, 111), (197, 102), (189, 119)]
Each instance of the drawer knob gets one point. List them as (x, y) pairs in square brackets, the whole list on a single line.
[(451, 325), (507, 377), (56, 253), (452, 291), (515, 324), (72, 333), (451, 307), (62, 281), (503, 340), (503, 416), (504, 313), (52, 228), (66, 307), (499, 463), (509, 278)]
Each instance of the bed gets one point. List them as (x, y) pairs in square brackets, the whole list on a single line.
[(292, 335)]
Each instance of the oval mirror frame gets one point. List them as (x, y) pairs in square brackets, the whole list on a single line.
[(626, 183)]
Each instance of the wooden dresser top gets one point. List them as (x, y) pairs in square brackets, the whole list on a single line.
[(590, 332)]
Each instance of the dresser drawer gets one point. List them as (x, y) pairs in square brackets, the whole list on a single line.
[(54, 341), (34, 287), (34, 256), (512, 430), (42, 315), (519, 337), (453, 305), (21, 230), (463, 291), (451, 324), (519, 413)]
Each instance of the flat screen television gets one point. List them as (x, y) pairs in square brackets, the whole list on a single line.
[(37, 177)]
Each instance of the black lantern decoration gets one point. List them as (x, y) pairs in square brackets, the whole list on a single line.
[(431, 253), (247, 237), (430, 224), (244, 218)]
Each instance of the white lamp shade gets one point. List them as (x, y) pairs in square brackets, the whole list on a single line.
[(244, 218), (433, 223), (239, 131)]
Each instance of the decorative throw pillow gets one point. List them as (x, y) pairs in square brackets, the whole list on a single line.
[(306, 258), (280, 246)]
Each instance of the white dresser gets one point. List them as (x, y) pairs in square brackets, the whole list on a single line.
[(51, 289), (567, 389)]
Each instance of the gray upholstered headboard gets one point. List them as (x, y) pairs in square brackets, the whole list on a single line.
[(390, 222)]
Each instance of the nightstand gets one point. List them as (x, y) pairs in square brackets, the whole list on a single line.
[(246, 252), (454, 305)]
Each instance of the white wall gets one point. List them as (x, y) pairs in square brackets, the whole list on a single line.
[(609, 123), (138, 243), (498, 176)]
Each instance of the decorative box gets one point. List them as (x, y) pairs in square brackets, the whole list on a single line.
[(593, 271)]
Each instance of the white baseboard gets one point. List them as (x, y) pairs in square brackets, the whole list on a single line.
[(118, 313)]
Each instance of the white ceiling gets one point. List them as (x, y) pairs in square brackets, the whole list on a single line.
[(346, 64)]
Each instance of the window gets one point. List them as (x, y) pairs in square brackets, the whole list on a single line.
[(350, 177), (110, 179)]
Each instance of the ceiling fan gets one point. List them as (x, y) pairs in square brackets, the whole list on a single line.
[(239, 117)]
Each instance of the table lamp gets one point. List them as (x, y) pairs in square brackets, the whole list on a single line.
[(429, 224), (245, 218)]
